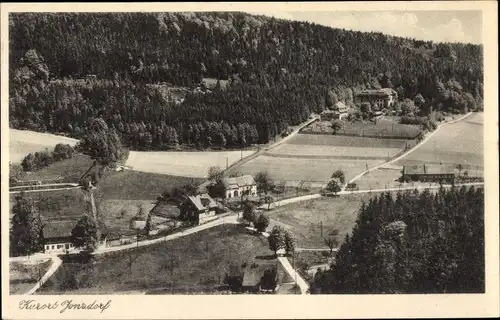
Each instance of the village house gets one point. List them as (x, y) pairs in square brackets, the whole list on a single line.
[(57, 237), (429, 173), (380, 98), (261, 278), (238, 186), (211, 83), (341, 110), (198, 208)]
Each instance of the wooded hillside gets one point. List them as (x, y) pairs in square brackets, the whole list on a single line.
[(279, 71), (415, 243)]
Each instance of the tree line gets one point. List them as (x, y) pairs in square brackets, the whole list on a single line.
[(39, 160), (264, 59), (417, 242)]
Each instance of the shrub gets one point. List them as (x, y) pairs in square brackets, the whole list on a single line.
[(261, 223)]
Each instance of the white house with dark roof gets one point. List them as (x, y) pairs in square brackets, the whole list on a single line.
[(57, 236), (238, 186), (381, 98)]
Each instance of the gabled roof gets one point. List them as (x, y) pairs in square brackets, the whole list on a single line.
[(252, 276), (202, 201), (242, 181), (211, 83), (340, 106), (58, 229)]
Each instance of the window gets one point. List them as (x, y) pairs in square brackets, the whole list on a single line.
[(59, 246), (236, 193), (52, 247)]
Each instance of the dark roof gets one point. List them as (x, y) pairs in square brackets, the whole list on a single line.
[(63, 228), (429, 169), (252, 276), (377, 92), (242, 181), (202, 201), (58, 229)]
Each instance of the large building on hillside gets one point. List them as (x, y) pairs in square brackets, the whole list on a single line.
[(379, 98), (429, 173), (238, 186)]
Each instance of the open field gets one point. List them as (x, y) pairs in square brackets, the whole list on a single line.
[(304, 169), (345, 141), (72, 168), (314, 158), (460, 142), (382, 128), (305, 219), (22, 142), (337, 152), (24, 276), (186, 164), (194, 263), (457, 143)]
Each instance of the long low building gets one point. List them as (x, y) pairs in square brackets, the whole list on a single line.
[(429, 173)]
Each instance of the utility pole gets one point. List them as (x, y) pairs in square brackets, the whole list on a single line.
[(295, 271), (227, 162), (321, 225)]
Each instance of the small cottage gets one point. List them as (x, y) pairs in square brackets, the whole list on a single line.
[(57, 237), (198, 208)]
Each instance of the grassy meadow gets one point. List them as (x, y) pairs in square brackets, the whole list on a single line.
[(191, 264)]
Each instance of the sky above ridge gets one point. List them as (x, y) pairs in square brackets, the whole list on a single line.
[(440, 26)]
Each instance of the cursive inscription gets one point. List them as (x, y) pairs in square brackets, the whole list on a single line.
[(65, 305)]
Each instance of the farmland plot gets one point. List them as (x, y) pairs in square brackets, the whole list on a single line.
[(296, 169), (457, 143), (22, 142), (186, 164), (314, 158)]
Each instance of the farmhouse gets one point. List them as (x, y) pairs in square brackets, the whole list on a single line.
[(340, 110), (238, 186), (260, 278), (199, 208), (57, 236), (429, 172), (211, 83), (381, 98)]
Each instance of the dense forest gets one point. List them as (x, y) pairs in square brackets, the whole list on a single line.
[(417, 243), (67, 68)]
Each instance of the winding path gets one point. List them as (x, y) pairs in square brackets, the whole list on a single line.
[(56, 263)]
